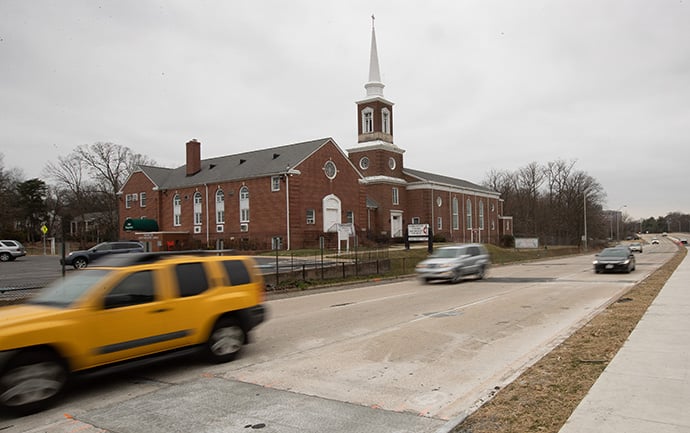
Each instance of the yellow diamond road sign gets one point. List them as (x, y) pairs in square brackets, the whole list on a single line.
[(44, 229)]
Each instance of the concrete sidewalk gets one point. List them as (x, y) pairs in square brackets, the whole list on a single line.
[(646, 387)]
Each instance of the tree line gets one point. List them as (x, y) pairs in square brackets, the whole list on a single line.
[(552, 201), (83, 192)]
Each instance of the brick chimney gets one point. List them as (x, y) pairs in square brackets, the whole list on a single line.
[(193, 157)]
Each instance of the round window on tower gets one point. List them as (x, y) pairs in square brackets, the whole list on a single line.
[(391, 163), (439, 201), (364, 163), (330, 170)]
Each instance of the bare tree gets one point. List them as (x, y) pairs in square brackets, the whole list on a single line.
[(530, 179), (94, 175), (73, 188), (110, 164), (548, 201)]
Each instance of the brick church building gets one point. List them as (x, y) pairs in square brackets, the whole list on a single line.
[(299, 195)]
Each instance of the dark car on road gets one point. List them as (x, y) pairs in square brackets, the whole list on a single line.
[(616, 259), (80, 259)]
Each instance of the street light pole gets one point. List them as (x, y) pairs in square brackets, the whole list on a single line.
[(618, 232), (288, 172), (584, 208)]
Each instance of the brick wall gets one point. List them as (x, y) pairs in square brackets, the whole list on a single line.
[(138, 183)]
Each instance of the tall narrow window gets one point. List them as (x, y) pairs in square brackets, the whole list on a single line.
[(275, 183), (481, 214), (177, 210), (220, 207), (386, 121), (367, 120), (197, 209), (244, 204), (456, 214), (469, 214), (439, 223), (350, 217), (142, 199), (396, 199)]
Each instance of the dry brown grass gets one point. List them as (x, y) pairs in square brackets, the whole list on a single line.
[(545, 395)]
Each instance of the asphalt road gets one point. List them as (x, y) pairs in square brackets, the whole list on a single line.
[(393, 357)]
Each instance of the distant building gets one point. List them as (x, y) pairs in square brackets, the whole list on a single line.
[(298, 195)]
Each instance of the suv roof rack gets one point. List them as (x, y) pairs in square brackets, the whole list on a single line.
[(130, 259)]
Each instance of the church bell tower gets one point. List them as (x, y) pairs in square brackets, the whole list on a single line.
[(376, 154)]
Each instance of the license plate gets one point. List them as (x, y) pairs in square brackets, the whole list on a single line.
[(609, 266)]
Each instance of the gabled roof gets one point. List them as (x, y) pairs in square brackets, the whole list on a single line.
[(423, 176), (158, 175), (257, 163)]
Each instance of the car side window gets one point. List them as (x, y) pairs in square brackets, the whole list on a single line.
[(191, 279), (237, 272), (135, 289)]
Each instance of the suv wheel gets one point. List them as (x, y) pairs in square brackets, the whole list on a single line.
[(225, 340), (481, 273), (31, 381), (5, 257), (457, 276), (79, 263)]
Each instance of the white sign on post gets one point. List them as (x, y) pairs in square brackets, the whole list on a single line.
[(418, 232)]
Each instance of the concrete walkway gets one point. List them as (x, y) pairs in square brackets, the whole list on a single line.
[(646, 387)]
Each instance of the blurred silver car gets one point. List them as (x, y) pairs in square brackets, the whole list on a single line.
[(10, 250), (452, 263)]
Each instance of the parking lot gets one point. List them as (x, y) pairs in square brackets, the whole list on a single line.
[(22, 276)]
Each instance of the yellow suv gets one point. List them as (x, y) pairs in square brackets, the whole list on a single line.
[(129, 307)]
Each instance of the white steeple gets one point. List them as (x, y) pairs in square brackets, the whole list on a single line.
[(374, 86)]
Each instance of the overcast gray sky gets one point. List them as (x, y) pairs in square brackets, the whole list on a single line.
[(478, 84)]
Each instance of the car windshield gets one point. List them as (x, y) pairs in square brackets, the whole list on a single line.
[(64, 291), (448, 253), (614, 252)]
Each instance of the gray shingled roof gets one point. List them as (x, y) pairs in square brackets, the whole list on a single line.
[(445, 180), (257, 163), (158, 175)]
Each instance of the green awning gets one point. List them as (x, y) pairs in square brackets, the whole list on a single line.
[(140, 225)]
